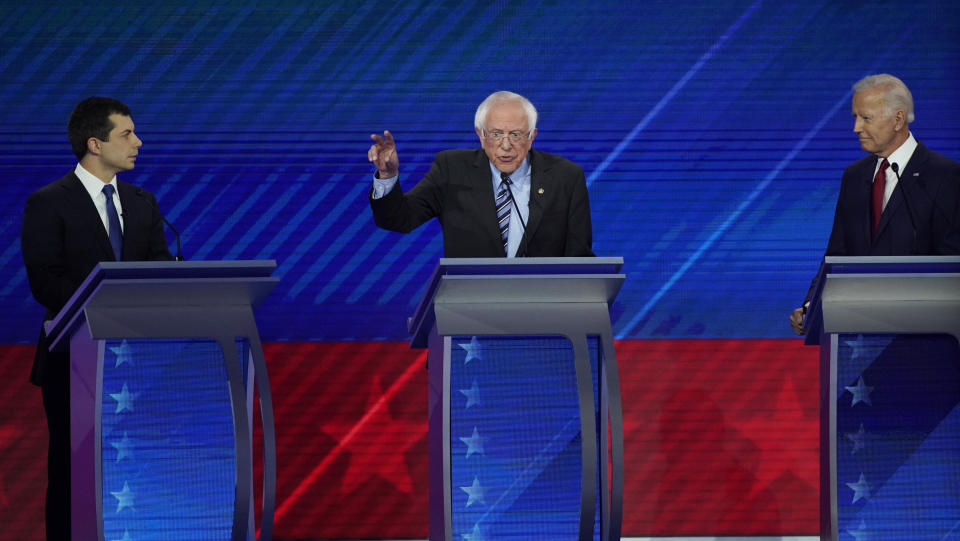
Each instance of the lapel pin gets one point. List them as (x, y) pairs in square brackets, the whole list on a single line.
[(540, 191), (916, 174)]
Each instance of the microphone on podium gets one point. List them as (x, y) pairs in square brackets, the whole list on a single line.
[(895, 167), (179, 256)]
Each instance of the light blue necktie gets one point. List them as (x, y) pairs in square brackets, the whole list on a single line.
[(116, 234)]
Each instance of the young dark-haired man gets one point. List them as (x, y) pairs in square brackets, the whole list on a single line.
[(69, 226)]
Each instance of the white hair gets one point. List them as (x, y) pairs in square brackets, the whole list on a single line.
[(896, 95), (503, 96)]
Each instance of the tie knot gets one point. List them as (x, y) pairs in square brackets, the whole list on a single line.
[(884, 165), (505, 178), (108, 190)]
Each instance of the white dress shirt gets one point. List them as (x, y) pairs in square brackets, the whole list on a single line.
[(900, 157)]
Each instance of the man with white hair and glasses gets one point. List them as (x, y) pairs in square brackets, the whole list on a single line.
[(504, 199), (902, 199)]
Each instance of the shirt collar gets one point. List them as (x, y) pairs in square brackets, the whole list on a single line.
[(902, 155), (93, 185), (519, 177)]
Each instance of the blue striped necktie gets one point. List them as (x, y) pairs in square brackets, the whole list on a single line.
[(503, 209), (116, 234)]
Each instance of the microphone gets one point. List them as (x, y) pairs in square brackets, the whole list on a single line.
[(175, 234), (895, 167), (517, 207), (179, 256)]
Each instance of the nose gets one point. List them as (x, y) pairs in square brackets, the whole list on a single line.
[(506, 143), (857, 125), (138, 142)]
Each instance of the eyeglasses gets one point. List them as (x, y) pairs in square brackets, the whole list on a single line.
[(513, 137)]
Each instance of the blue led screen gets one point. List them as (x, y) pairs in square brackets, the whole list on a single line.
[(898, 448), (515, 438), (169, 457), (712, 135)]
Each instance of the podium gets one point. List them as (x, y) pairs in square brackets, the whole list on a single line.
[(163, 361), (526, 437), (888, 330)]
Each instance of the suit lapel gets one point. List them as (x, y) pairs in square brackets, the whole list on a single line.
[(896, 199), (481, 181), (87, 212), (907, 176), (539, 176), (128, 202), (914, 167)]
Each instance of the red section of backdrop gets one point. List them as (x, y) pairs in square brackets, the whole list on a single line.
[(351, 425), (23, 448), (720, 436)]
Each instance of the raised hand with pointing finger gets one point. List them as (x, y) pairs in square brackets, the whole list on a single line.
[(383, 155)]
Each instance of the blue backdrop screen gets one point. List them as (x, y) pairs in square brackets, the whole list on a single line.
[(713, 136)]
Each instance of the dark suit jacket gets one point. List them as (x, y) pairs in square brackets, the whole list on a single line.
[(63, 238), (922, 216), (458, 190)]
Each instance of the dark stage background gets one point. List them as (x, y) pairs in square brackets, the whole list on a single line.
[(712, 134)]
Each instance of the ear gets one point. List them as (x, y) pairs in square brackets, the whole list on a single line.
[(93, 145), (900, 119), (479, 135)]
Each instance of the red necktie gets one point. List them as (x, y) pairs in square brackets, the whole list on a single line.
[(879, 184)]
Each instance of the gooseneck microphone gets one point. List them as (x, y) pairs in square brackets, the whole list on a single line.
[(895, 167), (509, 191), (179, 256), (517, 208), (175, 234)]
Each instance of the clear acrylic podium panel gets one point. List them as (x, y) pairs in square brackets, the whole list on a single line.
[(168, 459), (897, 436), (515, 437), (888, 330)]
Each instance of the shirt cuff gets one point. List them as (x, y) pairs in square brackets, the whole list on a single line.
[(381, 186)]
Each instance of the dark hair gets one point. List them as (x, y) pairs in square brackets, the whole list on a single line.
[(91, 118)]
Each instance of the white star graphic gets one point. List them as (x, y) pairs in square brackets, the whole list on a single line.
[(123, 352), (124, 447), (861, 392), (124, 399), (475, 535), (126, 536), (472, 394), (861, 489), (858, 438), (474, 443), (474, 492), (124, 497), (473, 349), (856, 346), (860, 534)]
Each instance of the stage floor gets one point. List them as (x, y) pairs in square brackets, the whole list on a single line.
[(701, 538)]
